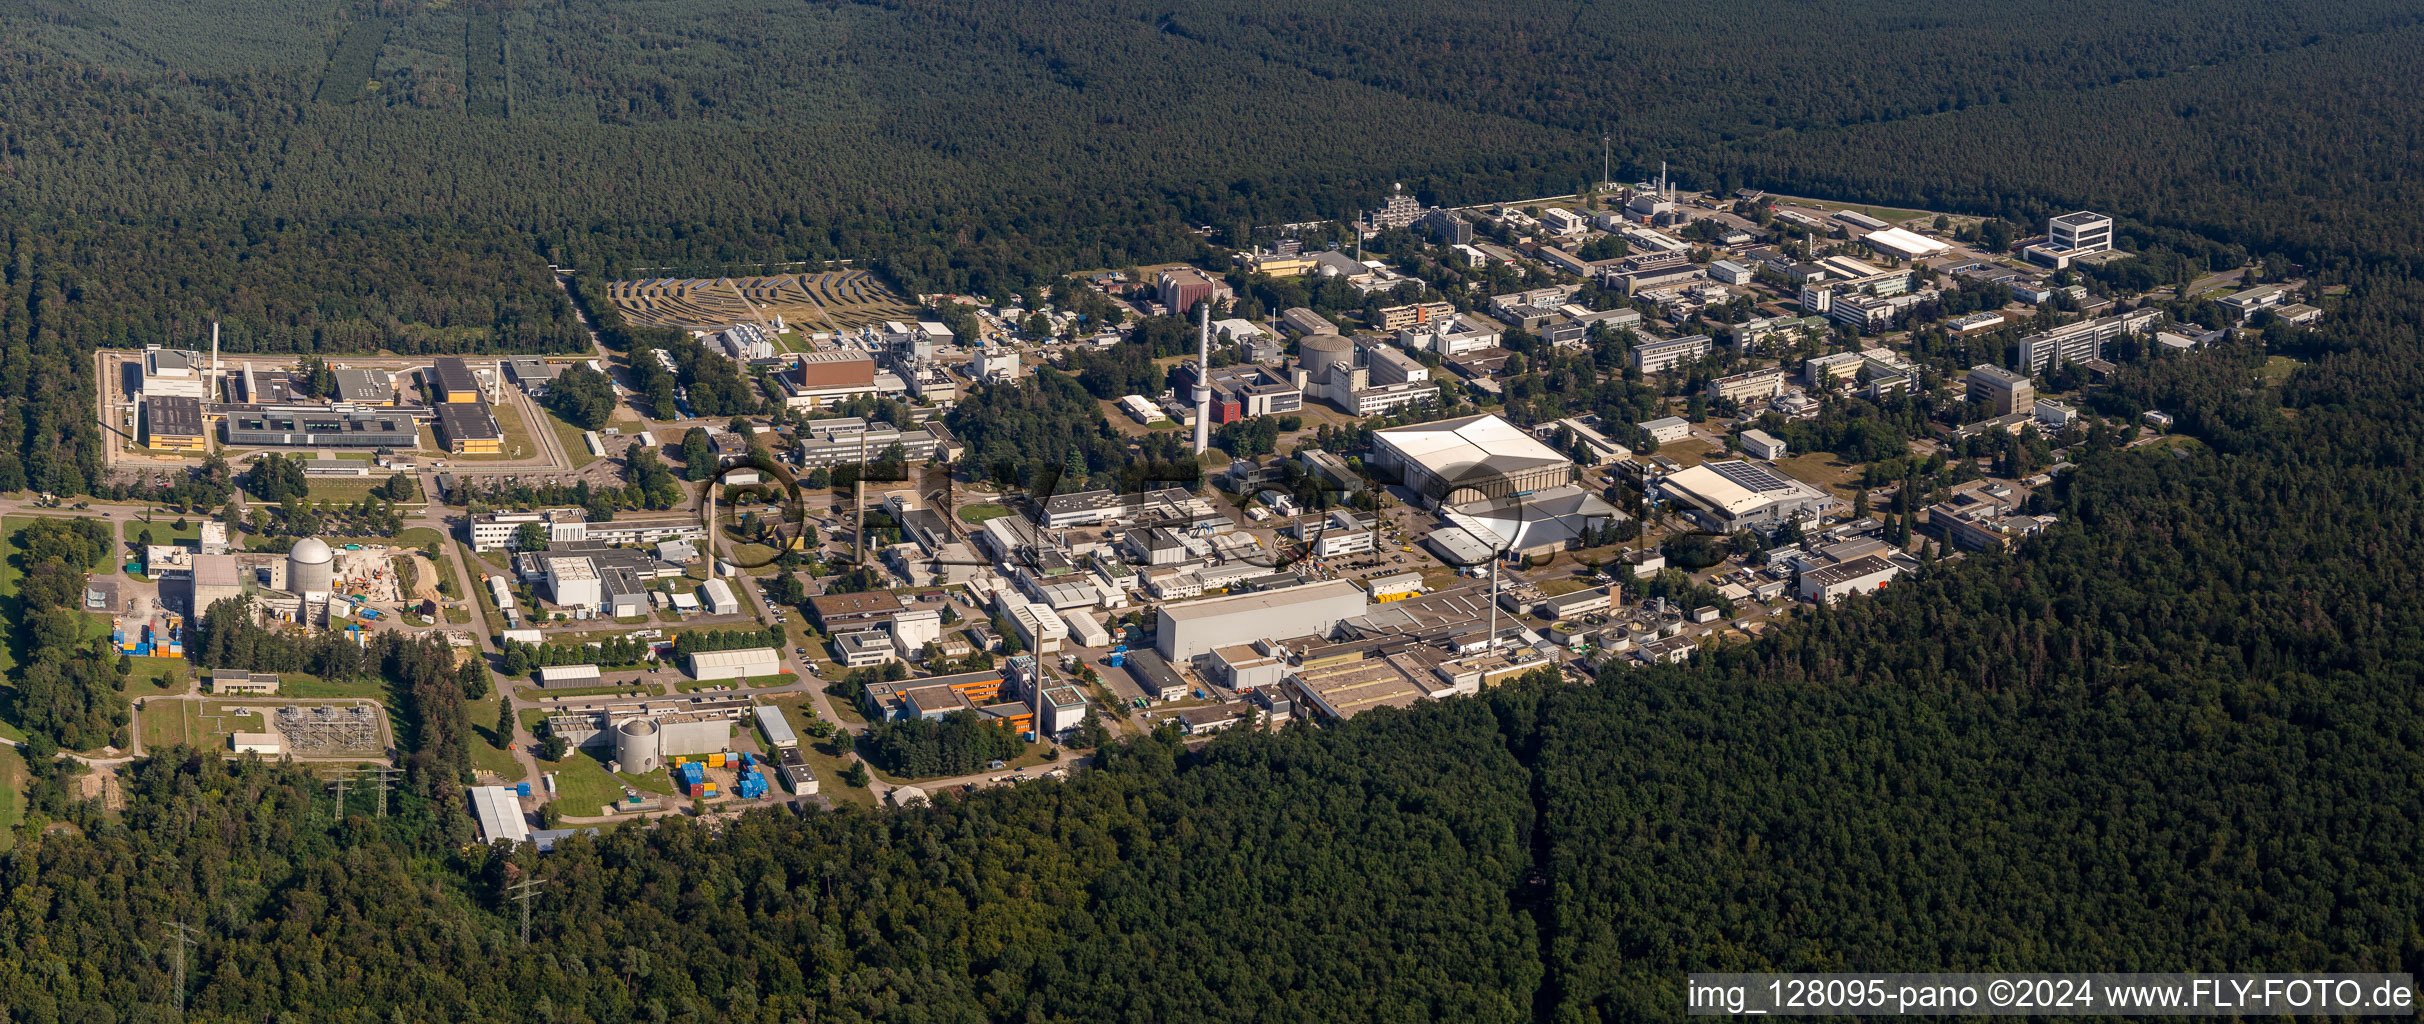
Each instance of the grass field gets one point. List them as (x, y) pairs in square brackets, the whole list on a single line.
[(343, 490), (1823, 470), (2277, 370), (977, 514), (163, 530), (825, 761), (760, 556), (569, 436), (485, 754), (155, 677), (584, 787), (1562, 587), (201, 724)]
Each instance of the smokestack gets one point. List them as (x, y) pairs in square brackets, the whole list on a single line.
[(212, 387), (1664, 192), (1203, 370)]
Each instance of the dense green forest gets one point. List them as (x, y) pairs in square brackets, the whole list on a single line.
[(401, 175), (2179, 731)]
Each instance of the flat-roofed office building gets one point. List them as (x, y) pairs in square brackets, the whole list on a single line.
[(321, 428), (365, 387)]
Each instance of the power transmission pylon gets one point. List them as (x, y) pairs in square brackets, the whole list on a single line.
[(184, 936), (525, 891)]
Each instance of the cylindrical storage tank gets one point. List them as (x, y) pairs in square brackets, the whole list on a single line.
[(1319, 353), (638, 746), (311, 567)]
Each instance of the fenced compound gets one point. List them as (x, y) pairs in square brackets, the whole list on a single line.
[(330, 730)]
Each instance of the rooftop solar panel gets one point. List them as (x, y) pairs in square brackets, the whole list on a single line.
[(1750, 476)]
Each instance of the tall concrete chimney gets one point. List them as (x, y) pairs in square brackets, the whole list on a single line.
[(211, 386), (1203, 371)]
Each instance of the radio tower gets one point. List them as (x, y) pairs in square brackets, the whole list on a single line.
[(1203, 373)]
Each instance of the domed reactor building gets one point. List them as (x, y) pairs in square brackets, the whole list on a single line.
[(311, 570)]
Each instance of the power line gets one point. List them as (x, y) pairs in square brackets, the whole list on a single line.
[(382, 776)]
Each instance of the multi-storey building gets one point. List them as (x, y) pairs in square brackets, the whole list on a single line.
[(1180, 288), (1398, 318), (1742, 387), (2084, 340), (500, 531), (1399, 211), (2007, 392), (2071, 236), (1661, 356)]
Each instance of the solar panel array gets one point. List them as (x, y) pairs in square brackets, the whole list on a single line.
[(1751, 476)]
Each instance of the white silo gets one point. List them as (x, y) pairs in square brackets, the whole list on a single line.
[(311, 569), (638, 747)]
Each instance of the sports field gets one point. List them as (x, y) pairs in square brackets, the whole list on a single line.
[(829, 301)]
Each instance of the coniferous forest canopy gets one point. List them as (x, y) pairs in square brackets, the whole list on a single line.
[(2181, 731)]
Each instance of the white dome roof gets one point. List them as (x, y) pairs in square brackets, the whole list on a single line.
[(310, 550)]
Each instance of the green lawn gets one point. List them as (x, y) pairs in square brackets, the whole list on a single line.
[(1823, 470), (575, 448), (2277, 370), (977, 514), (153, 677), (485, 755), (201, 724), (760, 556), (163, 529), (1562, 587), (583, 786), (343, 490), (826, 763)]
